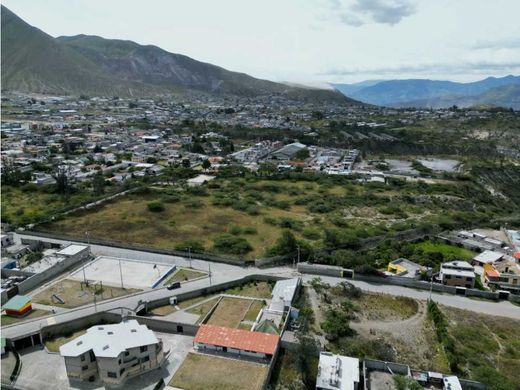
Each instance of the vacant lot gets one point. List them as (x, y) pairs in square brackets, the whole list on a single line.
[(253, 311), (54, 344), (201, 372), (229, 312), (8, 320), (488, 347), (386, 307), (73, 293), (200, 217), (185, 274), (203, 308)]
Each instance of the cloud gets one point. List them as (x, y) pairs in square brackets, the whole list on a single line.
[(497, 44), (476, 67), (362, 12)]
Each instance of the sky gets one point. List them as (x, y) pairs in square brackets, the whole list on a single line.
[(307, 41)]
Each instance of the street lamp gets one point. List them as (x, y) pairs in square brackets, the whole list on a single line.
[(121, 273), (189, 254)]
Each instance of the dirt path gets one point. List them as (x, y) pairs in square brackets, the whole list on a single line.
[(404, 329)]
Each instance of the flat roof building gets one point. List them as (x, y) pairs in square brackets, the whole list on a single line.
[(487, 257), (18, 306), (457, 273), (113, 353), (337, 372)]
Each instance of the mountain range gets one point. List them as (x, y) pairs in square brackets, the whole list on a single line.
[(33, 61), (503, 91)]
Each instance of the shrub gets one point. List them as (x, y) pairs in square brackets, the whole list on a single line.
[(311, 233), (155, 206), (235, 230), (250, 230), (196, 246), (228, 243)]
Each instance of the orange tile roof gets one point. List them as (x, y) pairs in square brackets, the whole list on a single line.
[(517, 255), (237, 338), (492, 273)]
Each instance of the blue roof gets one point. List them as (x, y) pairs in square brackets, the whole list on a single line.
[(17, 302)]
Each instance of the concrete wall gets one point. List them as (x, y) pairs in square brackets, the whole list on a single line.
[(378, 365), (38, 279), (158, 325), (320, 269)]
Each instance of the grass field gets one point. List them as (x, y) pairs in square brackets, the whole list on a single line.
[(253, 311), (201, 372), (35, 313), (203, 308), (183, 275), (229, 312), (450, 252), (54, 344), (74, 294)]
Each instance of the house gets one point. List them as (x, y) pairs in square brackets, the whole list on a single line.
[(337, 372), (406, 268), (283, 294), (113, 353), (487, 257), (199, 180), (18, 306), (504, 275), (211, 338), (457, 273), (7, 239)]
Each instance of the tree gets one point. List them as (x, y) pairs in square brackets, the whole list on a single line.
[(98, 149), (206, 164), (98, 183), (11, 175), (186, 163), (64, 178), (302, 154), (307, 355), (285, 245), (197, 148)]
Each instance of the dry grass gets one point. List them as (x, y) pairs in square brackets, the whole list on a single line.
[(74, 294), (54, 344), (229, 312), (253, 311), (35, 313), (254, 290), (201, 372), (203, 308), (163, 310), (184, 274), (386, 307)]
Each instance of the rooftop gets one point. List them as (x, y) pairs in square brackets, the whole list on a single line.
[(237, 338), (72, 250), (17, 302), (488, 257), (337, 372), (110, 340)]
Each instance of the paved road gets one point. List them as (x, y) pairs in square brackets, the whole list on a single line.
[(225, 272)]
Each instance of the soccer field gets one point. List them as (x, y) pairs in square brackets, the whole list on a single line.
[(137, 274)]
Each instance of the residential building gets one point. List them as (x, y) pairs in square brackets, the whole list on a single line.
[(504, 275), (487, 257), (457, 273), (113, 353), (211, 338), (406, 268), (337, 372), (283, 294), (287, 152), (199, 180)]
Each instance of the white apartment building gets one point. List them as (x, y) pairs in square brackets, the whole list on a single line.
[(112, 353)]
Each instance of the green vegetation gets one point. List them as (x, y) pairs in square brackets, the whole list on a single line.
[(229, 312), (155, 207), (406, 383), (443, 337)]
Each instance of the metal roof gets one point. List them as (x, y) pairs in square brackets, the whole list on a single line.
[(72, 250), (17, 302)]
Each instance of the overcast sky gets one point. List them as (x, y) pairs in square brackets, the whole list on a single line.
[(307, 40)]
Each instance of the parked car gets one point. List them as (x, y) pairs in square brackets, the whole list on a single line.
[(173, 286)]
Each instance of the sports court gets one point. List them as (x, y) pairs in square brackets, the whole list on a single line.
[(137, 274)]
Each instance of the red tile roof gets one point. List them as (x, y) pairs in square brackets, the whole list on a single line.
[(237, 338), (517, 255), (492, 273)]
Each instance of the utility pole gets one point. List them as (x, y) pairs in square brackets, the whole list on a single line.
[(189, 255), (121, 273), (298, 260), (431, 287), (209, 266), (88, 242)]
